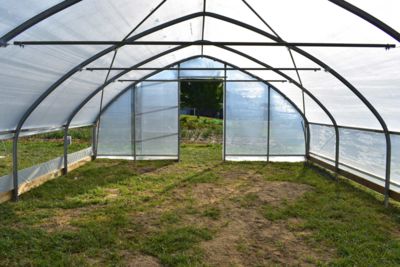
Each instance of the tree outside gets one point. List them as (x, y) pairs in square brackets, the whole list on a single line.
[(206, 97)]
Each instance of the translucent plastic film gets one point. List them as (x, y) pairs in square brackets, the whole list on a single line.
[(322, 141), (13, 13), (287, 135), (363, 150), (246, 118), (156, 117), (115, 134), (395, 174), (257, 119)]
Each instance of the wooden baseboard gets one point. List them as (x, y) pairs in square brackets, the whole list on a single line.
[(25, 187)]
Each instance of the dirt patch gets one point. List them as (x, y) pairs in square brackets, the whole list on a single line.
[(243, 236), (248, 239), (235, 174), (274, 193), (112, 193), (139, 260), (143, 170), (61, 221), (208, 193)]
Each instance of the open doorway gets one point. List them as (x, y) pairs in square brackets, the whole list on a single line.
[(201, 111)]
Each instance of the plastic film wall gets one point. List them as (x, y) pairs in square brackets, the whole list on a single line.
[(260, 123), (362, 153), (142, 123)]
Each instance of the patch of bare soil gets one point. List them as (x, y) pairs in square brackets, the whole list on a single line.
[(250, 240), (243, 236), (274, 193), (143, 170), (233, 174), (62, 220), (208, 193), (112, 193), (139, 260)]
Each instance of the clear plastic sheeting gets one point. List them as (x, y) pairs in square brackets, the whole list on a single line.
[(246, 118), (92, 20), (316, 21), (323, 141), (202, 63), (289, 89), (251, 131), (235, 9), (387, 14), (362, 153), (287, 133), (156, 118), (115, 134), (14, 13), (383, 93), (395, 175), (170, 10), (26, 73), (363, 150)]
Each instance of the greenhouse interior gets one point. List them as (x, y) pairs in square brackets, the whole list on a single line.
[(298, 86)]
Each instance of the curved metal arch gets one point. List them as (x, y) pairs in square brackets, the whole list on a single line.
[(234, 67), (367, 17), (334, 123), (113, 79), (302, 88), (217, 16), (70, 73), (100, 88), (176, 21), (238, 23), (68, 3), (36, 19)]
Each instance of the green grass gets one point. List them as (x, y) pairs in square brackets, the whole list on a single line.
[(200, 128), (176, 246), (41, 148), (101, 212)]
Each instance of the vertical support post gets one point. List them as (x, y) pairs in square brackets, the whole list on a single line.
[(203, 25), (94, 140), (65, 159), (15, 191), (388, 167), (308, 137), (224, 113), (269, 122), (337, 147), (179, 115), (133, 121)]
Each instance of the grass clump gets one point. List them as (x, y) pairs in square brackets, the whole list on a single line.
[(212, 213), (177, 247)]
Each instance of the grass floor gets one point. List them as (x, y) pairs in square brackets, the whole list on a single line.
[(198, 212)]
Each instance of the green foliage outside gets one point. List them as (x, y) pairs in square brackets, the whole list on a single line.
[(205, 96), (201, 129)]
